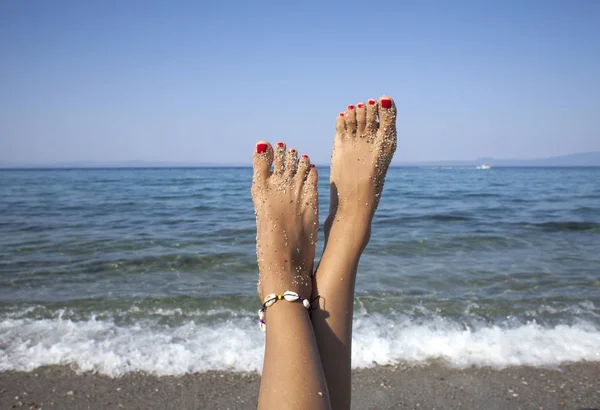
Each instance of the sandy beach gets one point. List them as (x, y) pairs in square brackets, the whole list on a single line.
[(434, 386)]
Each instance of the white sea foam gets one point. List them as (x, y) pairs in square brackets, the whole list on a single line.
[(378, 341), (236, 344)]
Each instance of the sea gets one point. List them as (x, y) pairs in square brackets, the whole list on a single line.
[(154, 270)]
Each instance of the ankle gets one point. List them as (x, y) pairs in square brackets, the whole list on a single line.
[(278, 283)]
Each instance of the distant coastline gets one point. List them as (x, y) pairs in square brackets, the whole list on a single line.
[(584, 159)]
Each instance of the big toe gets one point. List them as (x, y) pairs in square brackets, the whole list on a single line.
[(262, 160), (387, 113), (386, 134)]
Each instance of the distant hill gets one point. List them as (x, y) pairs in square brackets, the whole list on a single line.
[(119, 164), (584, 159)]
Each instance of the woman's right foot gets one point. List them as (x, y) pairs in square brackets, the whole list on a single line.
[(364, 144), (363, 148)]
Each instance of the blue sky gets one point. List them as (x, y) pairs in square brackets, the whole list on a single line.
[(202, 81)]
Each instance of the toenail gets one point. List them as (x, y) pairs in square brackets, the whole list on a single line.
[(372, 102), (341, 114), (292, 150), (280, 144), (350, 107), (386, 103), (304, 156), (312, 165), (261, 148), (360, 105)]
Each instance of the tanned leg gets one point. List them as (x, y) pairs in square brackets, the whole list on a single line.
[(364, 144), (287, 221)]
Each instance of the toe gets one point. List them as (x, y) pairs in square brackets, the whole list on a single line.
[(371, 115), (340, 127), (262, 159), (290, 164), (350, 117), (303, 168), (387, 112), (386, 135), (361, 118), (279, 165), (311, 188)]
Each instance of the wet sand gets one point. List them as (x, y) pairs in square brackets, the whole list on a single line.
[(574, 386)]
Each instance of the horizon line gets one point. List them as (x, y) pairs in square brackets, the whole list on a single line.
[(186, 164)]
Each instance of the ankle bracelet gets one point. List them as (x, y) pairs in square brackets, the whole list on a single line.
[(272, 298)]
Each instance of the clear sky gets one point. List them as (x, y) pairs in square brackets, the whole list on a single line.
[(201, 81)]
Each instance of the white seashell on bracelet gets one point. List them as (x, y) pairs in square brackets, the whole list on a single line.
[(291, 296), (271, 298)]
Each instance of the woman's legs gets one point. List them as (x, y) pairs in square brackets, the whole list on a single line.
[(285, 202), (364, 144)]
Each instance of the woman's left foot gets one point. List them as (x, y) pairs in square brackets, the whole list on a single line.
[(287, 219)]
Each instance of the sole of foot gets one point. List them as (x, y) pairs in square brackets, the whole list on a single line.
[(364, 144), (284, 192)]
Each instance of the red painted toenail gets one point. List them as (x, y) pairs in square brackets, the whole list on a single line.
[(386, 103), (372, 102), (261, 148), (341, 114), (280, 144), (304, 156), (360, 105), (292, 150), (350, 107), (312, 165)]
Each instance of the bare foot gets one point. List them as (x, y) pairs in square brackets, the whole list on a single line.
[(363, 148), (287, 219), (364, 144), (285, 202)]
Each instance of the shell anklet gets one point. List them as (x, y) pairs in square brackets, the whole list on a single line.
[(272, 298)]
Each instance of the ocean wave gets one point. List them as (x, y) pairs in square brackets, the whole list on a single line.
[(422, 218), (114, 349), (416, 247), (169, 260), (565, 226), (377, 342)]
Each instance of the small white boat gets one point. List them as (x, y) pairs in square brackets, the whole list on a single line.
[(484, 166)]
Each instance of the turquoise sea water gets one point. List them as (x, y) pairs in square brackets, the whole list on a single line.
[(120, 270)]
